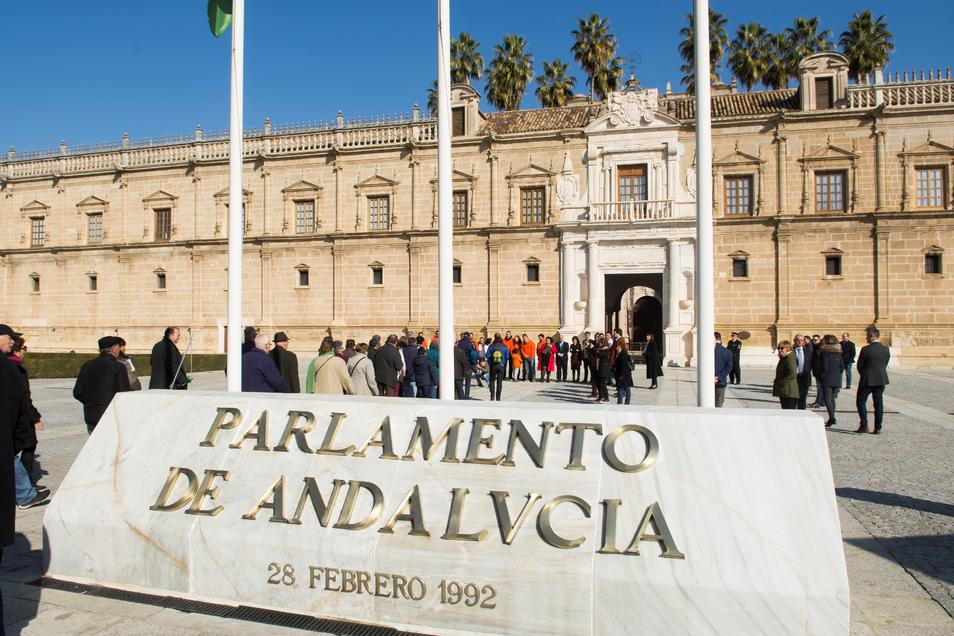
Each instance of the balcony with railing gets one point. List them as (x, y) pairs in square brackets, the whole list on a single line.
[(926, 88), (620, 212)]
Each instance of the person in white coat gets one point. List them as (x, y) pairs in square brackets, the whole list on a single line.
[(361, 370)]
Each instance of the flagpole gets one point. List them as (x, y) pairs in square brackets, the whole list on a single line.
[(445, 232), (236, 216), (705, 298)]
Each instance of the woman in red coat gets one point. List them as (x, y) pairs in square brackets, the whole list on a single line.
[(546, 354)]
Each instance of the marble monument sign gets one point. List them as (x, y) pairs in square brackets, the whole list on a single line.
[(462, 517)]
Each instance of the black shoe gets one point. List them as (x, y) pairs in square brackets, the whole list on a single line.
[(877, 431), (38, 500), (830, 423), (862, 428), (41, 489)]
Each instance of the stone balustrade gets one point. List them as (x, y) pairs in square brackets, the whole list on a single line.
[(214, 147), (619, 212), (904, 93)]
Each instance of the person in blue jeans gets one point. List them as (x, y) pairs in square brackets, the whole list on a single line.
[(28, 495), (623, 372)]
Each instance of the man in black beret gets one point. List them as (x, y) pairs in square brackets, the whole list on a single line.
[(286, 361), (99, 380)]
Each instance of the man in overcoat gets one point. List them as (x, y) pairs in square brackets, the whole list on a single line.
[(99, 380), (872, 378), (286, 361), (166, 363)]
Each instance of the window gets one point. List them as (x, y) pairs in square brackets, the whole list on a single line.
[(93, 282), (458, 126), (377, 274), (457, 275), (931, 187), (304, 217), (379, 212), (823, 93), (632, 183), (531, 206), (738, 195), (160, 280), (533, 272), (740, 267), (303, 278), (35, 283), (833, 265), (94, 228), (829, 191), (244, 223), (460, 208), (37, 231), (932, 263), (163, 224)]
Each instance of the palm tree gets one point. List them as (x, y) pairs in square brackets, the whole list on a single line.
[(718, 42), (466, 60), (804, 39), (554, 87), (778, 69), (594, 47), (432, 98), (748, 54), (509, 72), (866, 44)]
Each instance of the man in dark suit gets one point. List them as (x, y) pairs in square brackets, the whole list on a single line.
[(735, 346), (803, 370), (848, 353), (99, 380), (872, 378)]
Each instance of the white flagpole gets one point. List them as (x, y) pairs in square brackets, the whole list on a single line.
[(236, 220), (705, 298), (445, 232)]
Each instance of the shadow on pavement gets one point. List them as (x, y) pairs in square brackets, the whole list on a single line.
[(901, 501), (22, 563), (931, 555)]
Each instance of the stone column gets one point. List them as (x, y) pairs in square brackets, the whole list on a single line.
[(672, 293), (266, 290), (568, 290), (882, 295), (415, 169), (783, 291), (493, 276), (594, 281), (781, 146), (338, 291), (339, 202), (492, 160), (414, 317), (879, 169)]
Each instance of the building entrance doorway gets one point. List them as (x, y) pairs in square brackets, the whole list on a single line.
[(634, 305)]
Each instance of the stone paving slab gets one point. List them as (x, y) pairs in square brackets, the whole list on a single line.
[(895, 495)]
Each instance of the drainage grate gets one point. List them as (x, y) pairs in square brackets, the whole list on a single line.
[(241, 612)]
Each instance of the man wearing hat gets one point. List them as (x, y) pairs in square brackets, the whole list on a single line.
[(735, 346), (286, 361), (99, 380)]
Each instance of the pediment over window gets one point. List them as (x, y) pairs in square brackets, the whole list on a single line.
[(301, 267), (375, 264), (35, 207), (739, 254), (377, 181), (833, 251), (533, 260), (458, 177), (530, 171), (160, 196), (302, 187), (92, 202), (830, 151), (738, 157), (224, 194), (930, 147), (934, 249)]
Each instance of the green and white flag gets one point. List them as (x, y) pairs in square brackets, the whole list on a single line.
[(220, 16)]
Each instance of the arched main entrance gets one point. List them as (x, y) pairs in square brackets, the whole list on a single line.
[(647, 318), (634, 305)]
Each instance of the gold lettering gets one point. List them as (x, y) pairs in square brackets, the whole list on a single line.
[(411, 502), (422, 435), (545, 527), (312, 492), (298, 432), (381, 581), (326, 444), (387, 446), (331, 575), (422, 588), (260, 434), (400, 584), (219, 423), (655, 516), (477, 440), (537, 452), (453, 532), (347, 509), (162, 504), (610, 513), (347, 581), (508, 529), (210, 491), (314, 573), (273, 499), (576, 442), (609, 449), (363, 579)]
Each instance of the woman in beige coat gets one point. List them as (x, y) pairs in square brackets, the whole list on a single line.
[(331, 373), (361, 370)]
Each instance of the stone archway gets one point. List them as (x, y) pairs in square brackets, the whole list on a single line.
[(647, 319)]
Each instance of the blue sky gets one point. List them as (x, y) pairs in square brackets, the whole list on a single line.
[(89, 71)]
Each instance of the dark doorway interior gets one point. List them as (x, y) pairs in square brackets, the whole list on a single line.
[(645, 317)]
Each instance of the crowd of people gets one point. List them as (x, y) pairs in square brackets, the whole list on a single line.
[(828, 361)]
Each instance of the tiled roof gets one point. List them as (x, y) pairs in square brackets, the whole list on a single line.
[(735, 104), (523, 121)]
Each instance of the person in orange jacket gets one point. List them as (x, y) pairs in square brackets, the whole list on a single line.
[(508, 342), (529, 354), (516, 356)]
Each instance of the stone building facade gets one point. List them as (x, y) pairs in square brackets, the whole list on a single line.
[(833, 205)]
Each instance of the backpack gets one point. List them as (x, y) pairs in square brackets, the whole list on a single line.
[(496, 357)]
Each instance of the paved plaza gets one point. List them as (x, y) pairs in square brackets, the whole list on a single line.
[(895, 495)]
